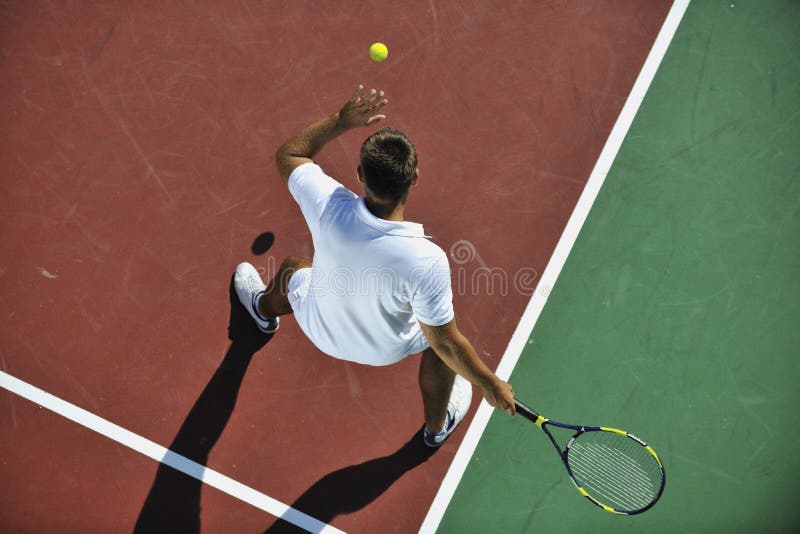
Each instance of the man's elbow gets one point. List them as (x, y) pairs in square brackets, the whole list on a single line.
[(280, 156), (447, 346), (282, 164)]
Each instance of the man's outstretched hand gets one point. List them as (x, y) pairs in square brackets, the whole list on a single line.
[(362, 109)]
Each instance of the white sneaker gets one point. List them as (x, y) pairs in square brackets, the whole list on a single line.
[(249, 287), (457, 406)]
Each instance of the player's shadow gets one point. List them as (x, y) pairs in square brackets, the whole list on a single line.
[(353, 487), (173, 503)]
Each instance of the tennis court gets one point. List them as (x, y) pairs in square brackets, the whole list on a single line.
[(629, 167)]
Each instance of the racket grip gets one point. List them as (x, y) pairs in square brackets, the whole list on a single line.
[(526, 412)]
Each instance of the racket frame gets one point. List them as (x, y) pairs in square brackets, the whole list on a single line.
[(543, 422)]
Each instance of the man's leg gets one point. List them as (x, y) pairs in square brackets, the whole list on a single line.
[(436, 383), (275, 300)]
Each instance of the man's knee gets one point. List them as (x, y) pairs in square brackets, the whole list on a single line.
[(294, 263), (288, 267)]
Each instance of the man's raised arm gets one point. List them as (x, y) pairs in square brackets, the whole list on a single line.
[(360, 110), (457, 353)]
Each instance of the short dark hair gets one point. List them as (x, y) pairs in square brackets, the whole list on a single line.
[(388, 164)]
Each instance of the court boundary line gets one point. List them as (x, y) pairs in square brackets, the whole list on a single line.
[(556, 263), (165, 456)]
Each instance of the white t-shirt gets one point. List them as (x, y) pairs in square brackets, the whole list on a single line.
[(371, 280)]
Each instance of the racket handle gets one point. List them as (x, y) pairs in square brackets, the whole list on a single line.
[(526, 412)]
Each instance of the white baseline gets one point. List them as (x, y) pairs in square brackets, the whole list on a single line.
[(164, 455)]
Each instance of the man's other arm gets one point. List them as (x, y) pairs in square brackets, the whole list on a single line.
[(458, 354), (358, 111)]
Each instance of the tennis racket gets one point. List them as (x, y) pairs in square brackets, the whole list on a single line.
[(613, 469)]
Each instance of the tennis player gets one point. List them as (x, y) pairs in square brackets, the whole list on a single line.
[(377, 289)]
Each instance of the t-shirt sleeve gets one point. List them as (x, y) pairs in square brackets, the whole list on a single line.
[(432, 300), (313, 189)]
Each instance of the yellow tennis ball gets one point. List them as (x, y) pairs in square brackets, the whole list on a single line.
[(378, 52)]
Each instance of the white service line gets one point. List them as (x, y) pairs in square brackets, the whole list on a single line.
[(556, 263), (164, 455)]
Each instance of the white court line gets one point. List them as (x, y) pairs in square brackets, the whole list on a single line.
[(164, 455), (557, 260)]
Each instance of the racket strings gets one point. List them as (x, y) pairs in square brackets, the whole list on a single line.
[(615, 470), (615, 487)]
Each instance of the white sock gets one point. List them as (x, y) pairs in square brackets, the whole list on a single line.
[(443, 432), (256, 302)]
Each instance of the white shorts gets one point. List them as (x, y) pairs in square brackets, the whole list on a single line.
[(298, 288)]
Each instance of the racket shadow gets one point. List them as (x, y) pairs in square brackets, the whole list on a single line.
[(353, 487), (173, 502)]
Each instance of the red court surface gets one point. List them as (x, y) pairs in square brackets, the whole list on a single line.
[(137, 171)]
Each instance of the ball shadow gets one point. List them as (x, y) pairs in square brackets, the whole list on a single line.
[(262, 243)]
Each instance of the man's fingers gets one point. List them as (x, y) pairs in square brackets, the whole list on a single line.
[(366, 103), (357, 93), (369, 102), (380, 104), (373, 96)]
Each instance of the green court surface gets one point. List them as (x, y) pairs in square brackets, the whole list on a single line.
[(677, 314)]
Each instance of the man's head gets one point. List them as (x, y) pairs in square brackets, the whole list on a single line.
[(388, 165)]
